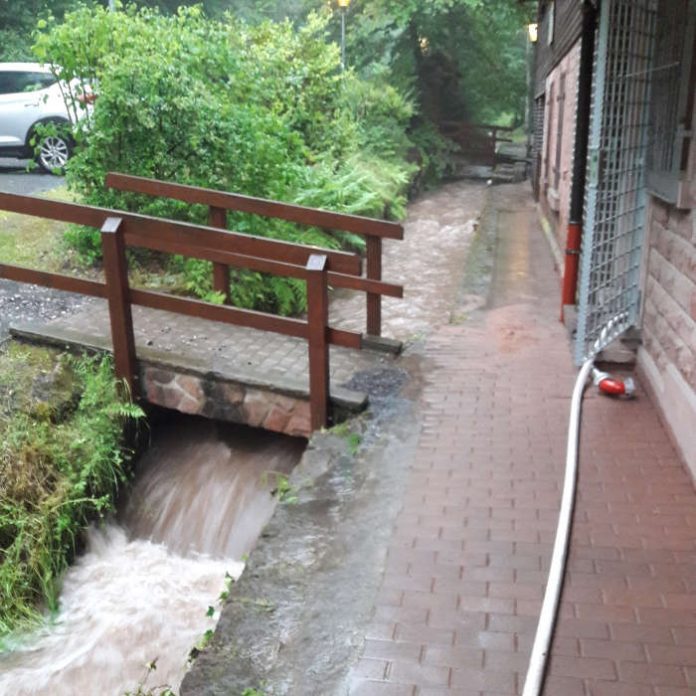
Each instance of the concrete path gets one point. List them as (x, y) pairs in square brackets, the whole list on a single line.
[(468, 554)]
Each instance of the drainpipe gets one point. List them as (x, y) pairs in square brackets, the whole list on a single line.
[(582, 134)]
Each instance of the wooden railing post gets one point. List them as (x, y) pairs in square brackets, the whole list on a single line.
[(117, 292), (374, 272), (217, 217), (318, 319)]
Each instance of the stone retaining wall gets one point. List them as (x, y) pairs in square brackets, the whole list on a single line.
[(226, 400), (278, 402)]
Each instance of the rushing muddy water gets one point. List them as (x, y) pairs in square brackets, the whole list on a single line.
[(142, 589)]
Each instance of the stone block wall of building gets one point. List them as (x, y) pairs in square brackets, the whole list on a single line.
[(668, 356)]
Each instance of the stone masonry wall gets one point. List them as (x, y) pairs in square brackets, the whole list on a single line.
[(227, 401), (556, 201), (668, 357)]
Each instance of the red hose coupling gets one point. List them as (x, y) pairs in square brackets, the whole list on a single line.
[(613, 386)]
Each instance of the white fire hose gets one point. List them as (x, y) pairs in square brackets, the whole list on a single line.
[(549, 609)]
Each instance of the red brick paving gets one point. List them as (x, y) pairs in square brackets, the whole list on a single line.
[(467, 562)]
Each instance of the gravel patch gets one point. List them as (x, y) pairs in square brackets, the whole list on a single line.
[(20, 302)]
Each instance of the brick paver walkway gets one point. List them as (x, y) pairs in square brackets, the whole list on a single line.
[(466, 566)]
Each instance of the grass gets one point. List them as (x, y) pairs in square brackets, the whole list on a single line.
[(37, 242), (62, 461), (353, 439), (41, 244), (144, 690), (34, 242)]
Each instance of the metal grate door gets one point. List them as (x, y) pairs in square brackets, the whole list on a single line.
[(537, 143), (615, 195)]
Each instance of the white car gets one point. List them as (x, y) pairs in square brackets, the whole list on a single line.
[(30, 95)]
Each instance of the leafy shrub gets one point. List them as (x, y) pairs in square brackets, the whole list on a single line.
[(431, 153), (261, 110)]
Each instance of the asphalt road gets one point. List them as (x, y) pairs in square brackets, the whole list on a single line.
[(19, 302), (14, 178)]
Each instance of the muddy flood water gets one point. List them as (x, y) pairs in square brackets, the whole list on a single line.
[(142, 589)]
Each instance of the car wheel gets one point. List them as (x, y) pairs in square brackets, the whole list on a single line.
[(53, 153)]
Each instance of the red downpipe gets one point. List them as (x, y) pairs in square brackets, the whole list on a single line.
[(582, 131), (570, 271)]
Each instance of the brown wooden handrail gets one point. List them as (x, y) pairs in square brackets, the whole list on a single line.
[(196, 236), (57, 281), (257, 206), (478, 140), (220, 202), (469, 124), (262, 265), (121, 229), (183, 305)]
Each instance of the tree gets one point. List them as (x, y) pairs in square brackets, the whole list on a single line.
[(262, 110), (18, 19), (463, 59)]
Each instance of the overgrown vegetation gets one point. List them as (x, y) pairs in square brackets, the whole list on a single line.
[(464, 60), (259, 109), (249, 97), (62, 461)]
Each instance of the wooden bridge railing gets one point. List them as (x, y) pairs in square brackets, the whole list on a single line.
[(119, 229), (479, 140), (218, 202)]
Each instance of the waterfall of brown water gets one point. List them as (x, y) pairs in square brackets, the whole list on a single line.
[(142, 588)]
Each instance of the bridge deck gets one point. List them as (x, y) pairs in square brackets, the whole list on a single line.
[(195, 357), (428, 262)]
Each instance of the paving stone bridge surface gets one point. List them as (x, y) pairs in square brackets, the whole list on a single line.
[(261, 378)]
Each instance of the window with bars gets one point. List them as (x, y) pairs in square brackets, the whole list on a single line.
[(671, 102), (549, 139), (559, 132)]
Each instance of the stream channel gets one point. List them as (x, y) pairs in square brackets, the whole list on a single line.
[(141, 590)]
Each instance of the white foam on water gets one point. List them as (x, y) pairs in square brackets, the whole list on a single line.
[(142, 589)]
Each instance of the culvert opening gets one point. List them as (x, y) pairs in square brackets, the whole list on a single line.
[(142, 589)]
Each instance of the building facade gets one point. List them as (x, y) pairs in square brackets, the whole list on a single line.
[(614, 157)]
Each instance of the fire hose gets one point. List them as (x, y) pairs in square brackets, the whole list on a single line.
[(547, 618)]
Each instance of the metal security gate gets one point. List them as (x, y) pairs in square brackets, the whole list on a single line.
[(537, 144), (615, 196)]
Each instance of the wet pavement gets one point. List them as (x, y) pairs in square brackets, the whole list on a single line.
[(430, 271), (17, 177), (466, 564), (415, 559), (416, 565), (429, 262)]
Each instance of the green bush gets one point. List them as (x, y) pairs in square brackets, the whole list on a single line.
[(261, 110)]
